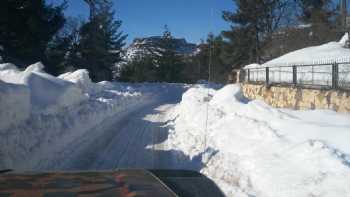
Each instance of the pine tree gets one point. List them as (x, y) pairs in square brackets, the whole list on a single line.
[(211, 52), (101, 42), (62, 52), (26, 28), (139, 70), (321, 15), (169, 63), (252, 25), (315, 8)]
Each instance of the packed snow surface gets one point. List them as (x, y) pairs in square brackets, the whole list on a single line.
[(247, 147)]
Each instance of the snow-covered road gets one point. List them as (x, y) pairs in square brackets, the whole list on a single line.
[(131, 140), (249, 148)]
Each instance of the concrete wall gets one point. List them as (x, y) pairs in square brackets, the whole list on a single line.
[(297, 98)]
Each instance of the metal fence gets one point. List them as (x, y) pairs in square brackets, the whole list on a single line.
[(324, 76)]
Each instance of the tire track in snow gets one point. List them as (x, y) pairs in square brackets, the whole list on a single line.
[(119, 142)]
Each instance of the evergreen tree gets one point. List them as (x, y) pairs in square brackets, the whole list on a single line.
[(101, 42), (219, 68), (197, 67), (169, 64), (211, 52), (311, 9), (252, 25), (62, 52), (26, 28), (321, 15), (139, 70)]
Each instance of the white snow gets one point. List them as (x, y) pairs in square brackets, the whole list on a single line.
[(320, 57), (45, 117), (248, 148), (14, 104), (7, 66), (40, 113), (327, 53), (81, 79), (253, 149), (48, 94), (344, 39)]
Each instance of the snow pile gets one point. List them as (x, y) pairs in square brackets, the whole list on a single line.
[(14, 104), (40, 114), (81, 79), (48, 94), (344, 39), (252, 149), (7, 66)]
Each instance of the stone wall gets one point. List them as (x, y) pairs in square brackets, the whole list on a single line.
[(298, 98)]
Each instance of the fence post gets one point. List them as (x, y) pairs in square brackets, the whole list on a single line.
[(248, 75), (335, 76), (295, 77), (267, 72)]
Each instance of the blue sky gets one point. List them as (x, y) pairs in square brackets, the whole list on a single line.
[(190, 19)]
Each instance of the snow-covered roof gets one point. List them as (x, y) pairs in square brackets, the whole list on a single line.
[(323, 54)]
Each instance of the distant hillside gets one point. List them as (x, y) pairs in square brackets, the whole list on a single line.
[(142, 46)]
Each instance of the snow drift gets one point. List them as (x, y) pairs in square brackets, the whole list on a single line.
[(257, 150), (40, 113), (48, 94), (14, 104), (81, 79)]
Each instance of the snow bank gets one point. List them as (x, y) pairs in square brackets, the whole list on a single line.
[(8, 66), (258, 150), (81, 79), (48, 94), (228, 94), (14, 104), (37, 67), (41, 114)]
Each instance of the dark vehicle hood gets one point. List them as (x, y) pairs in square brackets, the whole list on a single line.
[(128, 183)]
